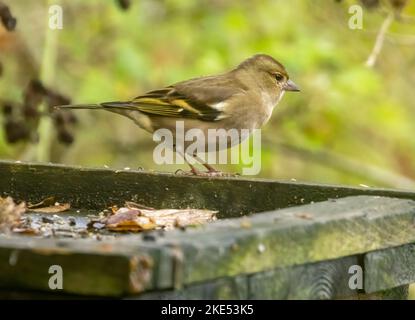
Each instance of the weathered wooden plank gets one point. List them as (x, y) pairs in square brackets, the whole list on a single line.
[(234, 288), (322, 280), (223, 249), (398, 293), (94, 269), (25, 294), (389, 268), (98, 188), (348, 226)]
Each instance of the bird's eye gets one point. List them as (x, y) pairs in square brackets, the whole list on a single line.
[(279, 77)]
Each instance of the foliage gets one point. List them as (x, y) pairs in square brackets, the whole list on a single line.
[(350, 124)]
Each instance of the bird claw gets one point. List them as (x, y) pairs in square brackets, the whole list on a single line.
[(217, 174), (206, 173)]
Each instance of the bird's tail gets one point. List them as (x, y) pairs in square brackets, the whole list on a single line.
[(116, 105), (79, 106)]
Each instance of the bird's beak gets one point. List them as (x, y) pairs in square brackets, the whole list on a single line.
[(291, 86)]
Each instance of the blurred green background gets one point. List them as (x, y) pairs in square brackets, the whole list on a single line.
[(350, 124)]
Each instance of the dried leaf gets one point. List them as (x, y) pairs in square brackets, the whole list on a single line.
[(130, 219), (50, 201), (10, 213), (26, 231), (58, 207), (48, 205), (305, 215), (135, 205), (170, 218), (126, 219)]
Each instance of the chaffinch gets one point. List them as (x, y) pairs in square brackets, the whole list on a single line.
[(242, 98)]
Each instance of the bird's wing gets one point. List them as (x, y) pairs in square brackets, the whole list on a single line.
[(201, 99)]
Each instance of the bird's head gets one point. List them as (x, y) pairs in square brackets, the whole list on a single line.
[(268, 73)]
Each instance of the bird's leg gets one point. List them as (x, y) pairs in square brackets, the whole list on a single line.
[(212, 172), (193, 169), (205, 164), (209, 167)]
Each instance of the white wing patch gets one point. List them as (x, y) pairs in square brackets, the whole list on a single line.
[(221, 116), (220, 106)]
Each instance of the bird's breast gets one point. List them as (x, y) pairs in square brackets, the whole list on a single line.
[(261, 113)]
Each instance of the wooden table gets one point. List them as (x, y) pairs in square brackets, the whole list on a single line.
[(273, 239)]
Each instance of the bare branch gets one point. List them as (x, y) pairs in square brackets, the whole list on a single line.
[(371, 60)]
